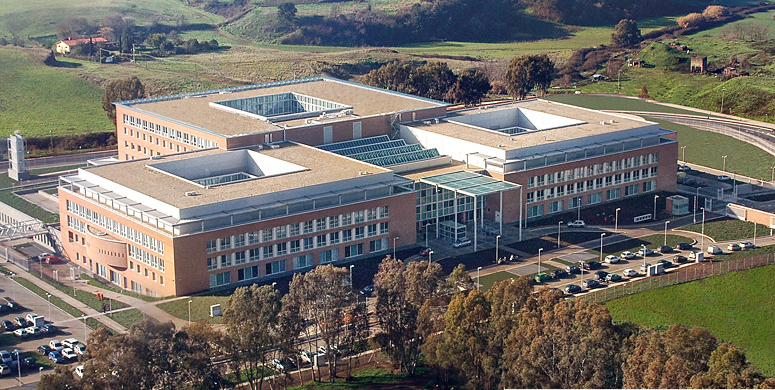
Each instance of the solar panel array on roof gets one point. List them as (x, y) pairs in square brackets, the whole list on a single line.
[(381, 151)]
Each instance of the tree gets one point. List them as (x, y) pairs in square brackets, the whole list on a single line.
[(526, 72), (668, 359), (121, 90), (402, 291), (292, 323), (460, 280), (197, 344), (432, 80), (72, 28), (626, 34), (644, 92), (287, 12), (470, 88), (251, 318), (715, 12), (156, 40), (691, 20), (728, 368), (60, 379)]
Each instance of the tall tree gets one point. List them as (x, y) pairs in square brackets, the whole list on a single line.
[(626, 34), (120, 90), (60, 379), (459, 280), (526, 72), (728, 368), (470, 88), (196, 344), (432, 80), (287, 12), (251, 318)]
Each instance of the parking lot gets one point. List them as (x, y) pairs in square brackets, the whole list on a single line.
[(66, 327)]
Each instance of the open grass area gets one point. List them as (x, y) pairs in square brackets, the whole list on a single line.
[(363, 378), (36, 99), (40, 360), (487, 281), (738, 307), (91, 282), (200, 307), (731, 229), (623, 103), (43, 171), (31, 209)]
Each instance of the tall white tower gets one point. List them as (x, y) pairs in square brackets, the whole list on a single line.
[(16, 149)]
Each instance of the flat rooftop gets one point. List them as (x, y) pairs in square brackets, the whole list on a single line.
[(539, 122), (235, 111), (169, 178)]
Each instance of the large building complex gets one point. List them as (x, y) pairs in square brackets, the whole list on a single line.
[(243, 184)]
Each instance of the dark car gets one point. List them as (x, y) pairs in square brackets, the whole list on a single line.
[(558, 273), (48, 328), (7, 325), (666, 263), (20, 322), (28, 363), (44, 349), (683, 246), (572, 289), (600, 275), (690, 182), (12, 305), (664, 249), (368, 290), (680, 259), (590, 283), (572, 269), (425, 251), (613, 278), (592, 265)]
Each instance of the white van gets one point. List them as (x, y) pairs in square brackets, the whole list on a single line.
[(714, 250)]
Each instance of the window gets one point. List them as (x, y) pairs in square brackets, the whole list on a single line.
[(255, 254), (359, 216), (614, 193), (575, 202), (540, 180), (618, 178), (268, 252), (609, 181), (535, 211), (225, 261), (239, 240), (531, 197), (321, 224), (384, 227), (627, 177), (378, 245), (333, 222), (282, 248), (384, 212), (599, 183), (560, 191), (266, 235), (649, 186), (280, 232), (308, 226), (353, 250), (239, 258), (275, 267), (212, 246), (329, 256), (597, 197), (334, 238), (220, 279), (295, 246), (225, 243), (372, 230), (294, 230), (247, 273), (302, 261), (359, 232), (371, 214), (347, 219), (212, 263), (631, 190), (653, 171), (539, 195), (347, 235), (321, 239), (556, 206), (531, 182), (253, 238)]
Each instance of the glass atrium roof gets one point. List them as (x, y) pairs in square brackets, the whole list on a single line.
[(469, 183)]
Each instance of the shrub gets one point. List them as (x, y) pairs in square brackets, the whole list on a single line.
[(692, 20), (715, 12)]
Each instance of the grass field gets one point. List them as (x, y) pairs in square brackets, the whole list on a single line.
[(37, 99), (738, 307), (729, 230), (617, 103), (31, 209), (200, 307), (363, 378), (92, 282)]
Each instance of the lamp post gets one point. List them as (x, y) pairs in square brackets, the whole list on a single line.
[(426, 234), (559, 226), (430, 253), (643, 246), (702, 231), (539, 259), (683, 153), (394, 246), (189, 312), (722, 99), (666, 222), (655, 206), (601, 246), (13, 284), (616, 220), (49, 305), (497, 241), (352, 285), (581, 267), (772, 179), (18, 364), (724, 164), (754, 233), (478, 273), (696, 199)]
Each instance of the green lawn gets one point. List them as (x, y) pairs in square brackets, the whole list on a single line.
[(200, 307), (487, 281), (43, 171), (31, 209), (617, 103), (91, 282), (729, 230), (363, 378), (36, 99), (738, 307), (40, 360)]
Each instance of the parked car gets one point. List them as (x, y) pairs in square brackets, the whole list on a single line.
[(69, 343), (664, 249), (69, 354), (368, 290), (613, 278), (79, 348), (43, 256), (690, 182), (542, 277), (577, 224), (12, 306), (56, 345), (307, 356), (29, 362), (733, 247), (283, 364), (572, 289), (645, 252), (692, 255), (684, 168), (20, 322), (558, 273), (5, 357), (630, 273), (425, 251), (20, 333), (592, 265), (572, 269), (5, 369), (714, 250), (723, 178), (7, 325), (31, 318), (53, 259), (683, 246), (56, 357), (680, 259), (44, 349), (600, 275), (611, 259), (33, 331), (590, 283), (461, 243), (627, 255), (747, 245), (644, 267), (48, 329), (79, 371), (666, 263)]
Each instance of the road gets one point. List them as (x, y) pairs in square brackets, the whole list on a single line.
[(65, 159)]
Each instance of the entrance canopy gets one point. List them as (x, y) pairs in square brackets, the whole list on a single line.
[(469, 183)]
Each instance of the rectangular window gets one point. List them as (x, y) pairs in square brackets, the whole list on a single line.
[(555, 207), (225, 243), (560, 191), (531, 197), (308, 226), (371, 214), (333, 222), (359, 232), (347, 235), (649, 186), (613, 193), (225, 261), (321, 239), (627, 177), (540, 180), (266, 235), (239, 258), (378, 245), (575, 202), (275, 267), (347, 219), (372, 230), (220, 279), (255, 254), (239, 240), (253, 238), (294, 230), (631, 190), (384, 227), (302, 261), (353, 250), (320, 224), (268, 252), (597, 197), (247, 273), (282, 248), (334, 238), (329, 256), (360, 216), (535, 211), (280, 232), (295, 246), (212, 263), (384, 212), (212, 246)]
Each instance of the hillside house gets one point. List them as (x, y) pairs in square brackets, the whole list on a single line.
[(64, 46)]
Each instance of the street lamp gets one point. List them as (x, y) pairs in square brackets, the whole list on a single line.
[(702, 232), (683, 153), (601, 246), (655, 206), (616, 220), (478, 273), (189, 312), (581, 267), (559, 226), (643, 246), (724, 165), (539, 258), (351, 275), (394, 246), (666, 222), (430, 253), (696, 199), (18, 364), (426, 233), (754, 233), (497, 241), (49, 305)]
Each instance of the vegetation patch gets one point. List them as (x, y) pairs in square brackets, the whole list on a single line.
[(362, 378), (93, 282), (31, 209), (738, 306), (730, 229), (200, 307)]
